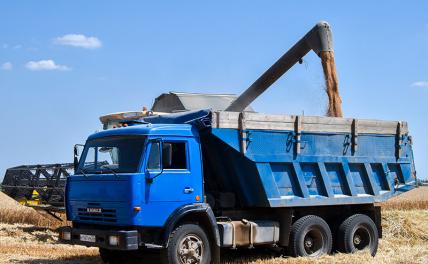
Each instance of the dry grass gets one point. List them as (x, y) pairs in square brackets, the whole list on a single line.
[(405, 205), (24, 216), (405, 240), (414, 199), (23, 243), (12, 212)]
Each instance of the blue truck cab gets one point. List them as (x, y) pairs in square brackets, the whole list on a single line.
[(132, 185), (194, 182), (136, 175)]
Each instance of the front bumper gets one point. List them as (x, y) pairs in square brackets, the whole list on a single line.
[(126, 240)]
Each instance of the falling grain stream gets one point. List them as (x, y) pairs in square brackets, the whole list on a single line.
[(332, 84)]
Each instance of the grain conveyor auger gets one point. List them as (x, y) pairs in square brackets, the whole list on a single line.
[(319, 39)]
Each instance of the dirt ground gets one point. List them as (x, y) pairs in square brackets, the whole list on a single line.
[(405, 241)]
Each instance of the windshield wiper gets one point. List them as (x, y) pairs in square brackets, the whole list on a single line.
[(109, 169)]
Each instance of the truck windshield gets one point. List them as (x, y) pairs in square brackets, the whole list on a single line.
[(112, 155)]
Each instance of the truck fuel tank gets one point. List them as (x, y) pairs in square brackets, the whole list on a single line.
[(246, 233)]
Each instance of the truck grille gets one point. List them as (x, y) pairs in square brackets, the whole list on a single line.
[(106, 214)]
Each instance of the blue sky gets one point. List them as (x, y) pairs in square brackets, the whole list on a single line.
[(62, 65)]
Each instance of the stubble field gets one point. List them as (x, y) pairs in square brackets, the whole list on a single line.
[(27, 237)]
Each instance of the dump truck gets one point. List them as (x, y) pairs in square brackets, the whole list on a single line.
[(192, 183)]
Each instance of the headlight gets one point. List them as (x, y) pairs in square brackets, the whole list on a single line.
[(66, 235), (113, 240)]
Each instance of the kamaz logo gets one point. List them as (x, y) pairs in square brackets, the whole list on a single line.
[(94, 210)]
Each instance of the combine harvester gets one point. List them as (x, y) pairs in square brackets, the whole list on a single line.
[(191, 183)]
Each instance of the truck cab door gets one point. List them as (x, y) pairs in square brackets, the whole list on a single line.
[(169, 174)]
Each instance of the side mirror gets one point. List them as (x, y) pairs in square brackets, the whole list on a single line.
[(76, 156), (166, 155)]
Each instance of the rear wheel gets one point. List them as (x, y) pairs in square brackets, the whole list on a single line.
[(358, 232), (188, 244), (310, 236)]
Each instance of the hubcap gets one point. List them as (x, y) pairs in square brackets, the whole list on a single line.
[(190, 250), (357, 240), (313, 242), (361, 238), (309, 242)]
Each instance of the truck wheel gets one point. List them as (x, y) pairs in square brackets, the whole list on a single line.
[(310, 236), (188, 244), (358, 232)]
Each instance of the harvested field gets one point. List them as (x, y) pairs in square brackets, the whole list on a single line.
[(405, 241), (417, 194), (12, 212), (414, 199)]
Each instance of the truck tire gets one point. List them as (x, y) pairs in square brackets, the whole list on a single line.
[(310, 236), (188, 244), (358, 232)]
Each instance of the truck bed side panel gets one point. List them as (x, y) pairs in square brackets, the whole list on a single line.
[(322, 161)]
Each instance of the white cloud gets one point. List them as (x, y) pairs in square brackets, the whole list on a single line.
[(7, 66), (45, 65), (78, 40), (420, 84)]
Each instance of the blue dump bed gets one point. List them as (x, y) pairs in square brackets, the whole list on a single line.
[(289, 161)]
